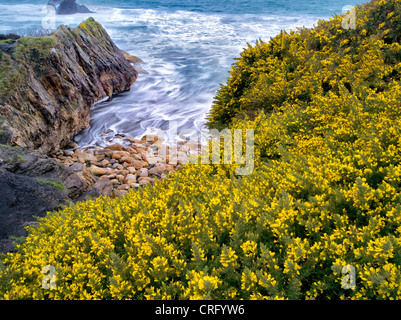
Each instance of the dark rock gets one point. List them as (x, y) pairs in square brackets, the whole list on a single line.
[(28, 188), (10, 36), (71, 7), (42, 167), (22, 200), (54, 3), (68, 7), (77, 167)]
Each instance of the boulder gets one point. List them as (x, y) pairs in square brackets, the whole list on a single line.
[(87, 156), (97, 171), (131, 170), (119, 193), (158, 169), (131, 182), (120, 178), (104, 163), (123, 172), (114, 182), (68, 152), (136, 156), (22, 200), (131, 176), (137, 164), (116, 147), (153, 160), (123, 187), (145, 180), (104, 187), (144, 172), (128, 159), (119, 154), (100, 156), (152, 138), (69, 7)]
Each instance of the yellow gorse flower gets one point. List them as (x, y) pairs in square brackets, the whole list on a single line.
[(325, 192)]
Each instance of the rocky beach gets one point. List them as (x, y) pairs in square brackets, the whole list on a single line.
[(48, 86), (130, 163), (33, 184)]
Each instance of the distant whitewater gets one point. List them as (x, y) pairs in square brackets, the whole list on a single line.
[(187, 47)]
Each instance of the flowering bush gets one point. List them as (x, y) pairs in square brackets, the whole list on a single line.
[(294, 67), (325, 192)]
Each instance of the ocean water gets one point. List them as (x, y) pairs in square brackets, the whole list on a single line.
[(188, 47)]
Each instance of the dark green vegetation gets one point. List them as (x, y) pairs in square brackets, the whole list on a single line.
[(15, 58), (57, 184)]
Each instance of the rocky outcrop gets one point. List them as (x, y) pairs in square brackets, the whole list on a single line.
[(49, 84), (24, 197), (68, 7), (22, 200), (72, 180)]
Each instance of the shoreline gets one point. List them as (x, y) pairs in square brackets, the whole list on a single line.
[(126, 163)]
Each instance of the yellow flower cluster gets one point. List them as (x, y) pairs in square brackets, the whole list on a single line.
[(325, 192)]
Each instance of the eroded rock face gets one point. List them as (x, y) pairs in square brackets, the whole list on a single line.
[(68, 7), (50, 84), (22, 200), (71, 7), (32, 185), (73, 181)]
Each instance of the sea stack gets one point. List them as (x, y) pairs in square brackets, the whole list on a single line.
[(68, 7)]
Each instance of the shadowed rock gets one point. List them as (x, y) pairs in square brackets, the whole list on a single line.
[(68, 7), (22, 200), (31, 185)]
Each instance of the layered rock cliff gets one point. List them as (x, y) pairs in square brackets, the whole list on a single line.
[(49, 84)]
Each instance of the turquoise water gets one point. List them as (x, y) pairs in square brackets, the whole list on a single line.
[(187, 47)]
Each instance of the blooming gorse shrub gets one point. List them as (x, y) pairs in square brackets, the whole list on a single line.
[(325, 193)]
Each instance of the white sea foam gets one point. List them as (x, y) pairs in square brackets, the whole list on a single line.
[(186, 55)]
